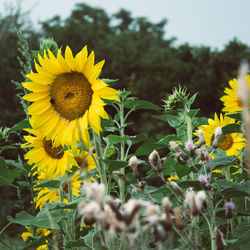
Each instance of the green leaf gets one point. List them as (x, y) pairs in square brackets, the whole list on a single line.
[(21, 125), (147, 147), (113, 165), (109, 80), (33, 244), (92, 173), (125, 94), (62, 205), (76, 243), (191, 100), (186, 184), (25, 219), (236, 116), (223, 161), (17, 165), (114, 139), (89, 238), (138, 138), (172, 120), (49, 184), (242, 233), (168, 165), (139, 104), (181, 170), (231, 128)]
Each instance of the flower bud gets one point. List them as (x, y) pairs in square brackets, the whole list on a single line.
[(180, 159), (201, 137), (133, 163), (122, 177), (176, 187), (155, 162), (229, 209), (217, 135), (219, 241)]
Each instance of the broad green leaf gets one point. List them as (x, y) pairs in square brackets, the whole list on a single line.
[(92, 173), (147, 147), (16, 165), (114, 139), (168, 165), (125, 94), (181, 170), (113, 165), (33, 244), (21, 125), (49, 184), (139, 104), (223, 161), (231, 128), (242, 233), (167, 139), (77, 243), (172, 120), (191, 100), (236, 116), (89, 238)]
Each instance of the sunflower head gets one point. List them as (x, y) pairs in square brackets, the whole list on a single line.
[(231, 100), (230, 143), (67, 95)]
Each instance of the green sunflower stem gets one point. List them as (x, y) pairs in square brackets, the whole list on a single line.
[(121, 183), (100, 166)]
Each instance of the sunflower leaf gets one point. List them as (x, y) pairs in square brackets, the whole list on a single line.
[(140, 104), (21, 125), (231, 128), (49, 184), (114, 165)]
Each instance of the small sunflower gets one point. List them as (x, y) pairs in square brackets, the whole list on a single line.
[(230, 143), (45, 156), (231, 100), (67, 95), (39, 232), (46, 195)]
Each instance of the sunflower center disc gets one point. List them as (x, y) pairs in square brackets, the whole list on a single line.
[(53, 152), (225, 142), (71, 95), (81, 163)]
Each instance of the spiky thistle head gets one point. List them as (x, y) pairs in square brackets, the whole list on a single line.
[(176, 100)]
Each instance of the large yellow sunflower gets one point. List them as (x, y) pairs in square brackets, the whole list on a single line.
[(67, 95), (231, 143), (45, 156), (231, 100), (46, 195)]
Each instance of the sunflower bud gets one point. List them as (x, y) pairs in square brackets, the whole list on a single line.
[(49, 44), (155, 162)]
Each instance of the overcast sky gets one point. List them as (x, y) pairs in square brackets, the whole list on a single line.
[(207, 22)]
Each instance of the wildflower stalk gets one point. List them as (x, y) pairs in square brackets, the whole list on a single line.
[(100, 166), (211, 231)]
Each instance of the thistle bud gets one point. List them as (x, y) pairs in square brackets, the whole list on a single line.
[(122, 177), (179, 158), (219, 241), (201, 137), (133, 163), (155, 162), (167, 221), (176, 147), (115, 209), (131, 208), (112, 219), (217, 135), (229, 209)]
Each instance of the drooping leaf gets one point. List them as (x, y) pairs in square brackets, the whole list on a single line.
[(113, 165), (140, 104), (21, 125)]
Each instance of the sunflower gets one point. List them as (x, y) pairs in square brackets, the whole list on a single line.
[(46, 195), (67, 95), (230, 143), (231, 100), (45, 156), (39, 232)]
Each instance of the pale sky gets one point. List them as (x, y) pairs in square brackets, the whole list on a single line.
[(198, 22)]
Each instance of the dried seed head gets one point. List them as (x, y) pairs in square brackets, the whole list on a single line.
[(189, 198), (177, 217), (177, 187), (130, 209), (219, 241), (115, 209), (166, 221), (155, 162), (111, 218), (180, 159), (90, 211), (95, 191), (133, 162), (199, 199)]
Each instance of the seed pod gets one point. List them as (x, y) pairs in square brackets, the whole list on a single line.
[(178, 220), (155, 162)]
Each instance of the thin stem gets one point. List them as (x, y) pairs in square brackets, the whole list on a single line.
[(5, 227), (100, 166), (211, 232)]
